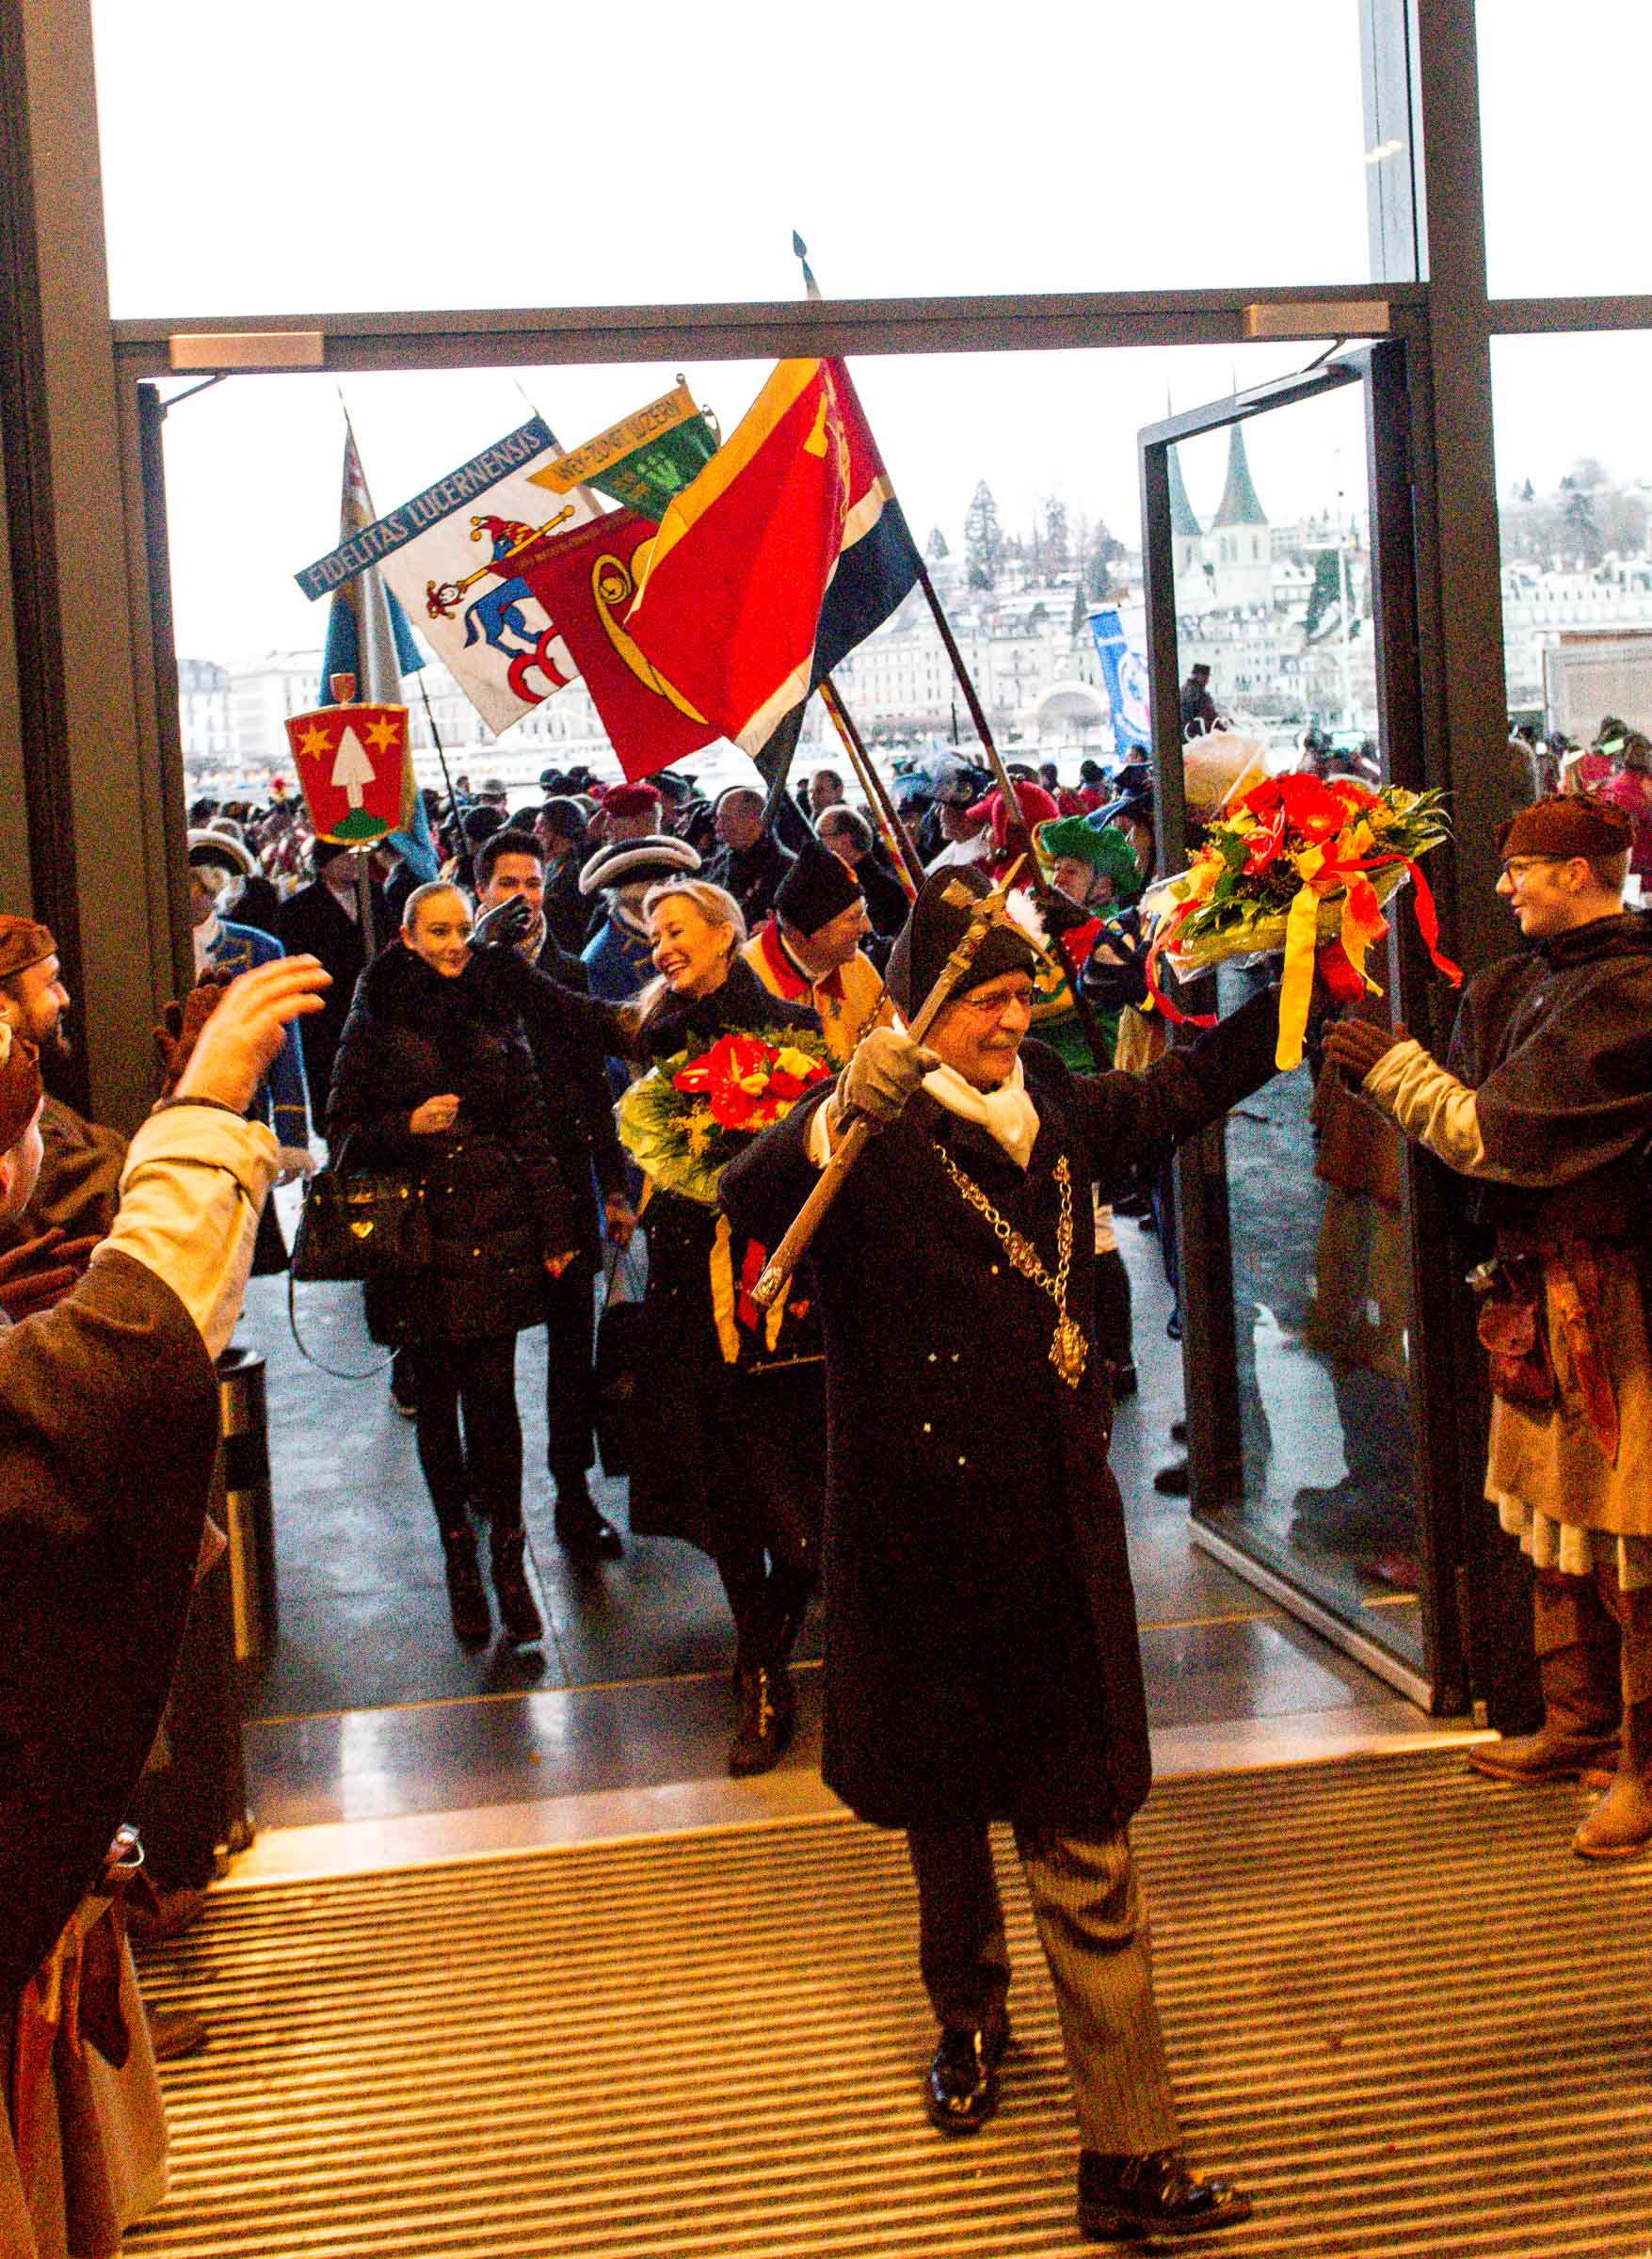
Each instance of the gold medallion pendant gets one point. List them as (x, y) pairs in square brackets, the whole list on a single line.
[(1070, 1352)]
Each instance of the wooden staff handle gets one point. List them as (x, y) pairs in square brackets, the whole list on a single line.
[(780, 1266), (800, 1232)]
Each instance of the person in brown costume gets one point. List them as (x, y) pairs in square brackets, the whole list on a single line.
[(1545, 1104)]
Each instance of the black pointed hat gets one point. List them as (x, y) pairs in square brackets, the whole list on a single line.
[(939, 919), (817, 888)]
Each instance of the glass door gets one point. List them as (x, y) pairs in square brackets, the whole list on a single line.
[(1317, 1346)]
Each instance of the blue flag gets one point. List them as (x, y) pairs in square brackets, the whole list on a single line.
[(368, 636), (1125, 670)]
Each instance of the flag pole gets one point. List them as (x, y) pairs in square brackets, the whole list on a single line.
[(909, 869), (343, 687), (442, 758), (1043, 887)]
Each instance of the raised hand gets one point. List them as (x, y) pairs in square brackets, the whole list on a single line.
[(883, 1076), (181, 1024), (1353, 1046), (502, 927), (237, 1043), (36, 1275)]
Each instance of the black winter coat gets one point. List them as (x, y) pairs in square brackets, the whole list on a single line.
[(724, 1455), (569, 1055), (982, 1659), (496, 1202), (753, 877)]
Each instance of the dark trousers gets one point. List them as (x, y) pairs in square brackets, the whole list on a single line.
[(570, 1388), (484, 1468), (1091, 1924)]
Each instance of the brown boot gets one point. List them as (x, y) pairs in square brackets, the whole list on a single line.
[(1621, 1823), (1580, 1710)]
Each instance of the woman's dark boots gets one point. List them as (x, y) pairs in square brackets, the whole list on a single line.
[(768, 1711), (473, 1622), (768, 1700), (519, 1615)]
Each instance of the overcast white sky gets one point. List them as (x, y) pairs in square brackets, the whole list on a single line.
[(385, 153)]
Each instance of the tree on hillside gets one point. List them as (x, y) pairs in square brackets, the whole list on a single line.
[(983, 538), (1057, 545), (936, 548), (1081, 618), (1104, 552), (1582, 532)]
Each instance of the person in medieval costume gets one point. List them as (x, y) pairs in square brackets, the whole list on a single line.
[(108, 1407), (1545, 1105), (982, 1657), (807, 950)]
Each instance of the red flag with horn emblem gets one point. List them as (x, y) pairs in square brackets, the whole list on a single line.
[(585, 581)]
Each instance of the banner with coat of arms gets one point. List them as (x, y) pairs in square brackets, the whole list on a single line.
[(448, 555), (352, 764)]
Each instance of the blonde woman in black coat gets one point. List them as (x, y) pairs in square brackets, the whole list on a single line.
[(434, 1081)]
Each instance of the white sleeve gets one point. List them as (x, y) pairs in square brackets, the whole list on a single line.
[(194, 1182), (1429, 1105), (820, 1142)]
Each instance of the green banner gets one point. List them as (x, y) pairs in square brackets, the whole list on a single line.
[(644, 460)]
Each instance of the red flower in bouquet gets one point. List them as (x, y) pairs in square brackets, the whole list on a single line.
[(748, 1083)]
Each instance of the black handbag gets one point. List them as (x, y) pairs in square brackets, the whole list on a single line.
[(355, 1223)]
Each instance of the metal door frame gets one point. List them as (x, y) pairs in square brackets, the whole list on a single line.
[(1397, 465)]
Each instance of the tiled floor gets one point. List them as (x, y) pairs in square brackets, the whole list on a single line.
[(369, 1712)]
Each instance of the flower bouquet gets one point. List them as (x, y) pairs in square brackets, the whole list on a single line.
[(1303, 866), (685, 1119)]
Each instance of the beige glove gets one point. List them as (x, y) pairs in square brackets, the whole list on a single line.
[(882, 1078)]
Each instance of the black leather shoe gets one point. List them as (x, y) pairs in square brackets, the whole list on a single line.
[(960, 2091), (1125, 1382), (1173, 1481), (1136, 2198), (473, 1623), (519, 1616), (583, 1535)]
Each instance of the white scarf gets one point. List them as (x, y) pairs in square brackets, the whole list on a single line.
[(1007, 1114), (207, 934)]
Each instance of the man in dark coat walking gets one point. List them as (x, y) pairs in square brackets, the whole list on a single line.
[(982, 1657), (579, 1105), (324, 921)]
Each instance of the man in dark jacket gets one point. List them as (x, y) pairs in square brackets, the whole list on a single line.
[(1545, 1105), (510, 868), (324, 921), (982, 1654), (752, 861)]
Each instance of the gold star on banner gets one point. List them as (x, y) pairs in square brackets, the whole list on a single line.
[(314, 742), (382, 735)]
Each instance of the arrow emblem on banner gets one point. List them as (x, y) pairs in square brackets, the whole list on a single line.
[(352, 769)]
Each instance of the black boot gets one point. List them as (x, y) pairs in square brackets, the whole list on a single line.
[(768, 1710), (519, 1616), (583, 1533), (472, 1622)]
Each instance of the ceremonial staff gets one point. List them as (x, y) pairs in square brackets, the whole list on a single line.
[(988, 911), (1044, 888)]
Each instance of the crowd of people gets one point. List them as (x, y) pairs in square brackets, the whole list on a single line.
[(943, 1484)]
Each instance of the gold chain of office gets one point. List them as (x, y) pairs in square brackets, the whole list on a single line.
[(1069, 1349)]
